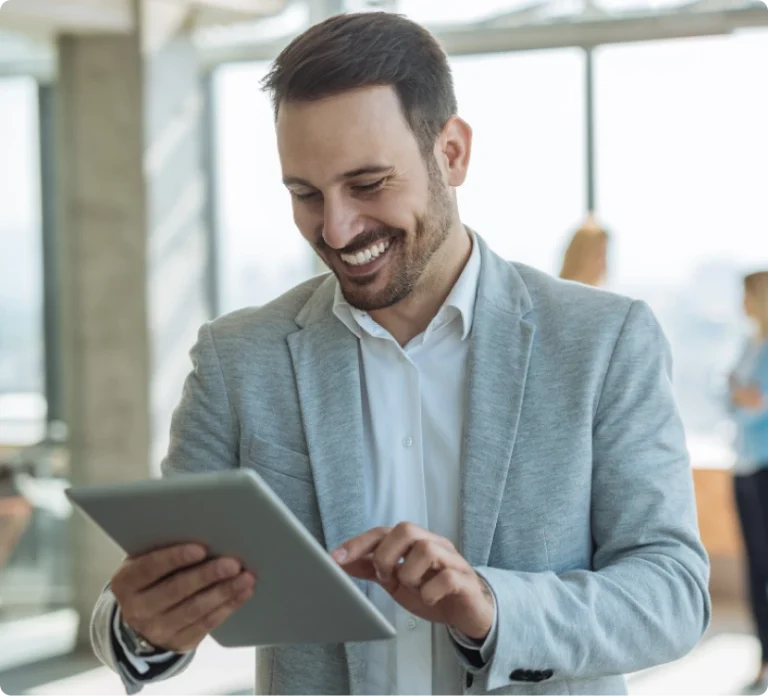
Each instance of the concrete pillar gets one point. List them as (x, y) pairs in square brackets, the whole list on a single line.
[(133, 260)]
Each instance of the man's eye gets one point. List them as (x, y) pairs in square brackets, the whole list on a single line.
[(369, 188), (305, 196)]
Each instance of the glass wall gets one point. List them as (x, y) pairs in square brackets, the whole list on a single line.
[(22, 404), (682, 147), (261, 253), (525, 189), (34, 543)]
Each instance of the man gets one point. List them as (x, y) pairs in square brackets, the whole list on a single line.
[(496, 454)]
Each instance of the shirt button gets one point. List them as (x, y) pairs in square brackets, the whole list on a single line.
[(408, 441), (411, 624)]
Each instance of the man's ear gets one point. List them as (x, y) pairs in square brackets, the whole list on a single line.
[(454, 149)]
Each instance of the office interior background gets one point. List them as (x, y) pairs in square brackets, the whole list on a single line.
[(140, 195)]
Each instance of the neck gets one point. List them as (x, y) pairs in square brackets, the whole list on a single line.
[(409, 318)]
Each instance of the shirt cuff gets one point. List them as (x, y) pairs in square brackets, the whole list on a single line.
[(487, 647), (143, 664)]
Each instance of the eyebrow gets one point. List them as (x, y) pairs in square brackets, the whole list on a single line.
[(351, 174)]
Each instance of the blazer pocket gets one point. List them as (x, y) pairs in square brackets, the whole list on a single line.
[(277, 459)]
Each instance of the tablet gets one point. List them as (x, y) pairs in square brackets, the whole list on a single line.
[(301, 596)]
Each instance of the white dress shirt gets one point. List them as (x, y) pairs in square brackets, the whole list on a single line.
[(414, 401)]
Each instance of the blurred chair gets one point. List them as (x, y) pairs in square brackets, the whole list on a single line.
[(586, 257), (15, 513)]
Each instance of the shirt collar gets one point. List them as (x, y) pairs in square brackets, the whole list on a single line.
[(460, 301)]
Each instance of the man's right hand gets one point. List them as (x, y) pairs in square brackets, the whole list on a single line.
[(173, 600)]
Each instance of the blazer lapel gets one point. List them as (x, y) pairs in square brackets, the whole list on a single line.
[(326, 362), (498, 364)]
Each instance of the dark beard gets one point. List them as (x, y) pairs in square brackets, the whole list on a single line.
[(414, 251)]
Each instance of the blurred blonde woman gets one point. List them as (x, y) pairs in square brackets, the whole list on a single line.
[(749, 410), (586, 258)]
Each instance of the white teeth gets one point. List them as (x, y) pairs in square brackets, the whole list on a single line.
[(366, 255)]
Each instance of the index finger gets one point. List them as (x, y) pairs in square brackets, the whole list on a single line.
[(140, 572), (360, 546)]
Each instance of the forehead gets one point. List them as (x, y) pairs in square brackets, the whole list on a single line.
[(321, 138)]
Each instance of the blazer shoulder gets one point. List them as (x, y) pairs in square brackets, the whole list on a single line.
[(274, 319), (572, 304)]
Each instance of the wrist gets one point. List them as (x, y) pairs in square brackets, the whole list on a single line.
[(479, 629), (136, 643)]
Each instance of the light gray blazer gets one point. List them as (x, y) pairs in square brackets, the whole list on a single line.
[(577, 499)]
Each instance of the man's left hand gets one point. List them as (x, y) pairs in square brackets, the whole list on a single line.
[(424, 573)]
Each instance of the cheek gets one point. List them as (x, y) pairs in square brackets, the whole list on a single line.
[(395, 211)]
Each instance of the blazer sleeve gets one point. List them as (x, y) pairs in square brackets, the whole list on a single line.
[(645, 600), (204, 428), (203, 438)]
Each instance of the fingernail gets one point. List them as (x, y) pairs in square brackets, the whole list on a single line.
[(243, 583), (380, 575), (228, 567), (340, 555), (194, 553)]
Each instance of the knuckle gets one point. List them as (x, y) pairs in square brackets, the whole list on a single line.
[(406, 528), (424, 546), (452, 581)]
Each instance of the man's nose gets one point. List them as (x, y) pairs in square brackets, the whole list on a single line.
[(341, 223)]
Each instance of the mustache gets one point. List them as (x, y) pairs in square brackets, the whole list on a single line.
[(362, 241)]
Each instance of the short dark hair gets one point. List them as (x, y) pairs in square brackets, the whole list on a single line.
[(368, 49)]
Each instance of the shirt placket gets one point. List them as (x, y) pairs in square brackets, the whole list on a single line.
[(414, 645)]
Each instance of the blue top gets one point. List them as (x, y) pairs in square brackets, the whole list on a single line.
[(752, 425)]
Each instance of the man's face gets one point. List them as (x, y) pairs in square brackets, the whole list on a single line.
[(362, 194)]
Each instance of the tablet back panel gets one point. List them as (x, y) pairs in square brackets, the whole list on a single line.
[(301, 596)]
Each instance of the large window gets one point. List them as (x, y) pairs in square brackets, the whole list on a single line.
[(34, 558), (261, 253), (525, 189), (22, 405), (682, 147)]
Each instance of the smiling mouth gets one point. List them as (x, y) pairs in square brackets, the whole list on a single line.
[(368, 260), (370, 253)]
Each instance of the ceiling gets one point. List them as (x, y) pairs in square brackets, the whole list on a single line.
[(44, 18), (238, 30)]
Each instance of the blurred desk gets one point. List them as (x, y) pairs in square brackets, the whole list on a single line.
[(718, 520)]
